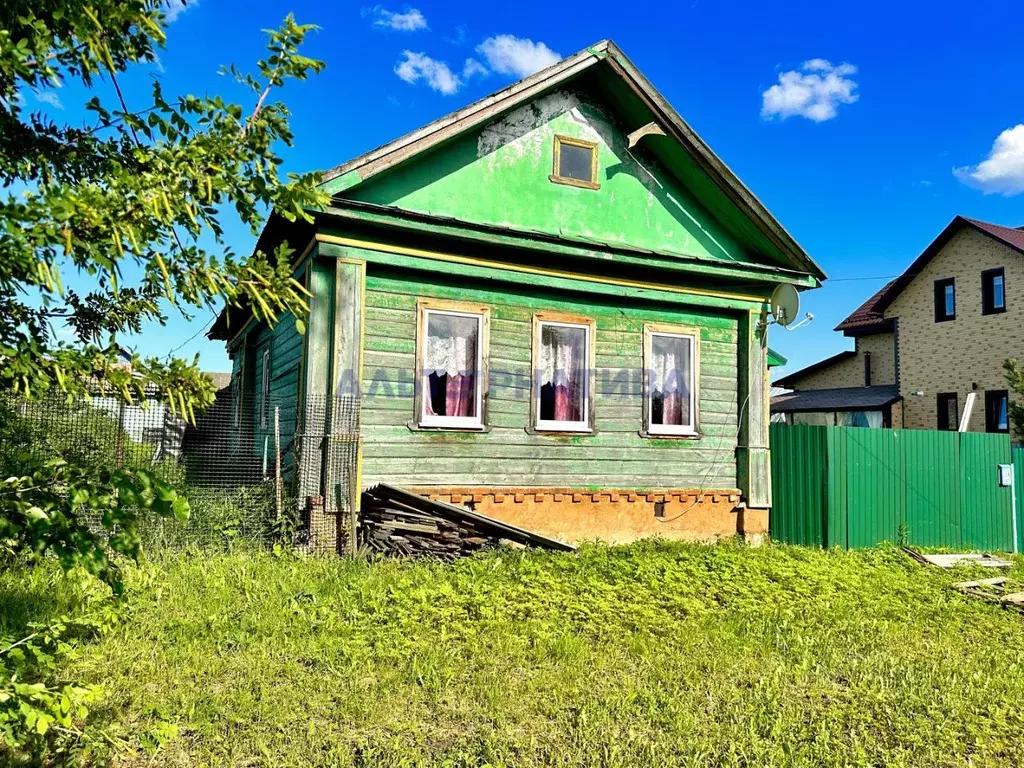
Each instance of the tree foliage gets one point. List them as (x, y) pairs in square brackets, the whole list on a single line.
[(131, 200)]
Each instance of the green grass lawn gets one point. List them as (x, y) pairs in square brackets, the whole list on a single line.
[(654, 654)]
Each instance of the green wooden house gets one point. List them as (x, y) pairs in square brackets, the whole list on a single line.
[(550, 304)]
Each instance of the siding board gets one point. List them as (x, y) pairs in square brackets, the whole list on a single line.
[(616, 456)]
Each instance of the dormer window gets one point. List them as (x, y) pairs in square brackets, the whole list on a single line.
[(575, 163)]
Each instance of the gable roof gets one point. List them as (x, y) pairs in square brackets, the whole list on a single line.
[(867, 317), (680, 148), (1008, 236), (790, 379)]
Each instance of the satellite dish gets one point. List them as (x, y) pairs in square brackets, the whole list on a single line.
[(785, 304)]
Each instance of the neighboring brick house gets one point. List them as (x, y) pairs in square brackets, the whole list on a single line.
[(924, 341)]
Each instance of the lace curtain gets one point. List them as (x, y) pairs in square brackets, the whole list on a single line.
[(563, 370), (670, 380), (450, 365)]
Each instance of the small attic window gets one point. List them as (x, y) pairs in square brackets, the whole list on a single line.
[(575, 163)]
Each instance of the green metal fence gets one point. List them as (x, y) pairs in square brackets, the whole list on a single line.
[(1018, 483), (852, 487)]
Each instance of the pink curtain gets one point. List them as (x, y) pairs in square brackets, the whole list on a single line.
[(672, 409), (567, 407), (670, 380), (450, 365), (458, 399), (456, 392), (562, 373)]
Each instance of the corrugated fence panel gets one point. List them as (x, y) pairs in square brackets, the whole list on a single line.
[(1018, 482), (933, 488), (984, 505), (837, 529), (798, 484), (876, 478)]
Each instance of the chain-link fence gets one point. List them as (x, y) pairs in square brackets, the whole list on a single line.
[(258, 471)]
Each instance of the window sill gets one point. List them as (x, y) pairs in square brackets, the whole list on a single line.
[(544, 431), (417, 427), (945, 319), (669, 435), (994, 311), (573, 182)]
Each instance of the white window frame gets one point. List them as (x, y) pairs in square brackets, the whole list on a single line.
[(672, 430), (550, 425), (452, 422), (265, 389)]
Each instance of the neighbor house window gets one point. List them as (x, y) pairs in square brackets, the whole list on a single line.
[(452, 367), (993, 291), (996, 406), (265, 389), (945, 300), (575, 162), (949, 411), (670, 359), (562, 397)]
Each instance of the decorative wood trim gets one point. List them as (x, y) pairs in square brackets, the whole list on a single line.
[(569, 319), (455, 259), (651, 129), (521, 494), (439, 305), (650, 330)]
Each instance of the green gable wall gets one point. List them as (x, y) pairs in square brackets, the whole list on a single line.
[(615, 457), (498, 175)]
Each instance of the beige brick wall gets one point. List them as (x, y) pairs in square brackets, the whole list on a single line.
[(882, 347), (953, 356), (850, 373)]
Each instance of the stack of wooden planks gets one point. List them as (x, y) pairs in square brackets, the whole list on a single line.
[(394, 521), (998, 590)]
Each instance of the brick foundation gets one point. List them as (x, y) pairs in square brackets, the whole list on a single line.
[(613, 516)]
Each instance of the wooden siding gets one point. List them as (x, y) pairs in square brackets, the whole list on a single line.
[(285, 344), (615, 456)]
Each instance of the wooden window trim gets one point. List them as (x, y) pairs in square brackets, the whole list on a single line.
[(942, 410), (556, 176), (939, 295), (456, 424), (585, 427), (662, 431), (988, 293)]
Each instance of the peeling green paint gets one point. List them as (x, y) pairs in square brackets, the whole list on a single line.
[(499, 175), (340, 183)]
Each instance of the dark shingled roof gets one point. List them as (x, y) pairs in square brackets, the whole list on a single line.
[(1012, 236), (845, 399), (866, 316)]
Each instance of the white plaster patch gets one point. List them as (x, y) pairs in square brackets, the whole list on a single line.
[(524, 131)]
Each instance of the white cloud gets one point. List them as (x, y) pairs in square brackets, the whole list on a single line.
[(1002, 171), (473, 67), (436, 74), (509, 55), (174, 8), (409, 21), (49, 97), (814, 93)]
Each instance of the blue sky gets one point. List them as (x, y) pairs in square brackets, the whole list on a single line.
[(870, 108)]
